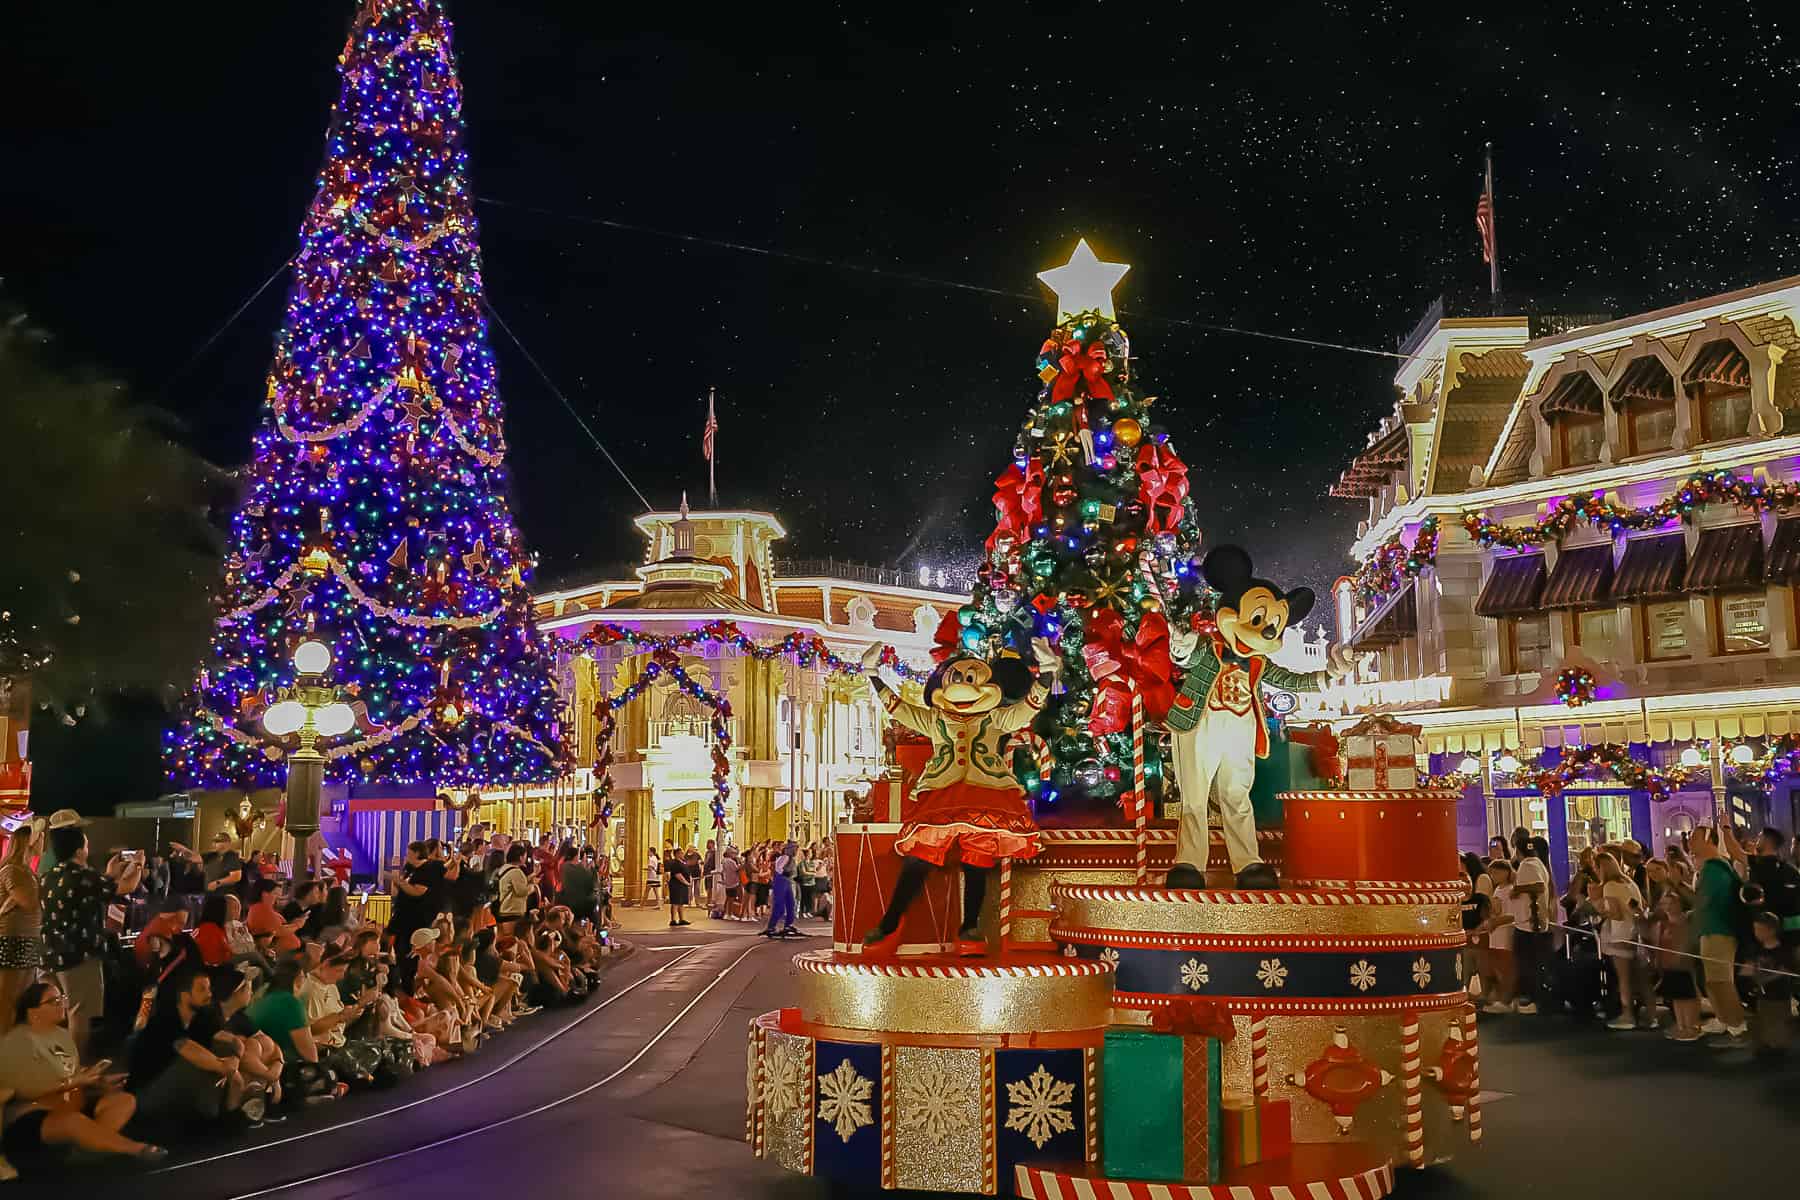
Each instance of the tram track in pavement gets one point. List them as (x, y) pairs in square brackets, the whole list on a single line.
[(487, 1107)]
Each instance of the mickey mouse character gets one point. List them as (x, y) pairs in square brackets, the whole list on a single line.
[(968, 798), (1218, 713)]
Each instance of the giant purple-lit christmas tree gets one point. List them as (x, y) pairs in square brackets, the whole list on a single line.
[(376, 517)]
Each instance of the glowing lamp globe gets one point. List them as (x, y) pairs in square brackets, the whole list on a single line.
[(284, 717), (1742, 753), (1468, 766), (1691, 757), (312, 658), (1508, 764), (334, 719)]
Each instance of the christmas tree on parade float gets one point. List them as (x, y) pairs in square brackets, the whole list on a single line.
[(1101, 1020), (374, 518)]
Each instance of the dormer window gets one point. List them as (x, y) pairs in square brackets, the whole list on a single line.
[(1577, 425), (1646, 399), (1719, 383)]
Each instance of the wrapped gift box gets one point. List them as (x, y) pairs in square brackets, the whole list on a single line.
[(1256, 1131), (1380, 754), (1160, 1093)]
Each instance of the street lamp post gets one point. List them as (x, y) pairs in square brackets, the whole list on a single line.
[(311, 709)]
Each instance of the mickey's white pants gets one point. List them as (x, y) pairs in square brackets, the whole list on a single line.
[(1218, 752)]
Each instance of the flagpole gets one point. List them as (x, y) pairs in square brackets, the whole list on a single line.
[(712, 457), (1494, 237)]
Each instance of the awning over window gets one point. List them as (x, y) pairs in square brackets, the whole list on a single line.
[(1727, 558), (1574, 392), (1395, 620), (1652, 568), (1645, 379), (1783, 564), (1583, 578), (1719, 362), (1513, 586)]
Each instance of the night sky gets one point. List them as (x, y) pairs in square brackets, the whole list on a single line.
[(1307, 169)]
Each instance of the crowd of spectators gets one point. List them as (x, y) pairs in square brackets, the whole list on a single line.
[(775, 882), (1702, 943), (244, 995)]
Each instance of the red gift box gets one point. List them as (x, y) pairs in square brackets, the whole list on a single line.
[(1256, 1130)]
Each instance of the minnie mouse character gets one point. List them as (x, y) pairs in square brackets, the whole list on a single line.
[(1218, 713), (967, 798)]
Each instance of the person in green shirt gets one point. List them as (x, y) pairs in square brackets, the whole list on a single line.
[(1715, 921), (804, 876), (281, 1014)]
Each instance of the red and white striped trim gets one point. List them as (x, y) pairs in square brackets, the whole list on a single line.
[(990, 1151), (1259, 1057), (1128, 837), (1468, 1020), (1347, 943), (1039, 1183), (1379, 885), (1303, 899), (888, 1124), (822, 962), (1250, 1006), (754, 1113), (1090, 1074)]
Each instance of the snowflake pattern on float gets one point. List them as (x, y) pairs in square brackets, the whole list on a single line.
[(1038, 1107), (1110, 957), (1271, 974), (1194, 974), (784, 1077), (844, 1097), (1459, 968), (1422, 971), (1362, 975), (934, 1103)]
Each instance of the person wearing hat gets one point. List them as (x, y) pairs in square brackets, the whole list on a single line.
[(329, 1018), (75, 901), (62, 818)]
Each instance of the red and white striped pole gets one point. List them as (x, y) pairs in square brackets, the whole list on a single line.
[(1412, 1089), (1468, 1020), (1141, 817), (1005, 904), (1259, 1057)]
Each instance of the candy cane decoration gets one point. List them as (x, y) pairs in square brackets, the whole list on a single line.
[(1468, 1020), (1259, 1057), (1005, 904), (1141, 815), (1412, 1089), (1040, 750)]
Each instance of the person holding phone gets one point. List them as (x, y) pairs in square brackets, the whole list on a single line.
[(50, 1099), (75, 936)]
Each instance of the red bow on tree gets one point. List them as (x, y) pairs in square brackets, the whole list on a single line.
[(1162, 487), (948, 638), (1077, 363), (1111, 660), (1018, 501), (1194, 1018)]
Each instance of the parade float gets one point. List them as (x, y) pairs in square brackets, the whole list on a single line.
[(1050, 975)]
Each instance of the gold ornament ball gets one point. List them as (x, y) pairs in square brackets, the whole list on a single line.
[(1127, 432)]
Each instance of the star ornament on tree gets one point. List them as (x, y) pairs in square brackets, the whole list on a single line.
[(1084, 283)]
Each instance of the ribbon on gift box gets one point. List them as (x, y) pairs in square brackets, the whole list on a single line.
[(1112, 661), (1194, 1018)]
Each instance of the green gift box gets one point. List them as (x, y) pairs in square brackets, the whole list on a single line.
[(1161, 1108)]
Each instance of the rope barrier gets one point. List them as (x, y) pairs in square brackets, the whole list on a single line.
[(1665, 950)]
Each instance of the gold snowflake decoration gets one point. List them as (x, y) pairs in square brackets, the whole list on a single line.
[(784, 1076), (844, 1100), (1362, 975), (1039, 1106), (1271, 974), (935, 1102), (1422, 971), (1110, 957), (1194, 974)]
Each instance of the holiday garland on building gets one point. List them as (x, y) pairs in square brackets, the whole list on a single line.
[(1094, 547), (1394, 563), (1612, 757), (1571, 512), (375, 517)]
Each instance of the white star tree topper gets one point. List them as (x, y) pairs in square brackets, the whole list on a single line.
[(1084, 283)]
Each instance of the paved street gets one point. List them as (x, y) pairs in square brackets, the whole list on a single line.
[(645, 1098)]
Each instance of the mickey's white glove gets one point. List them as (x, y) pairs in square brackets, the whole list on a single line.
[(1340, 662), (871, 659), (1182, 644), (1049, 662)]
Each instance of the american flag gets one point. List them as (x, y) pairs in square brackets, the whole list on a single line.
[(712, 429), (1484, 214)]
